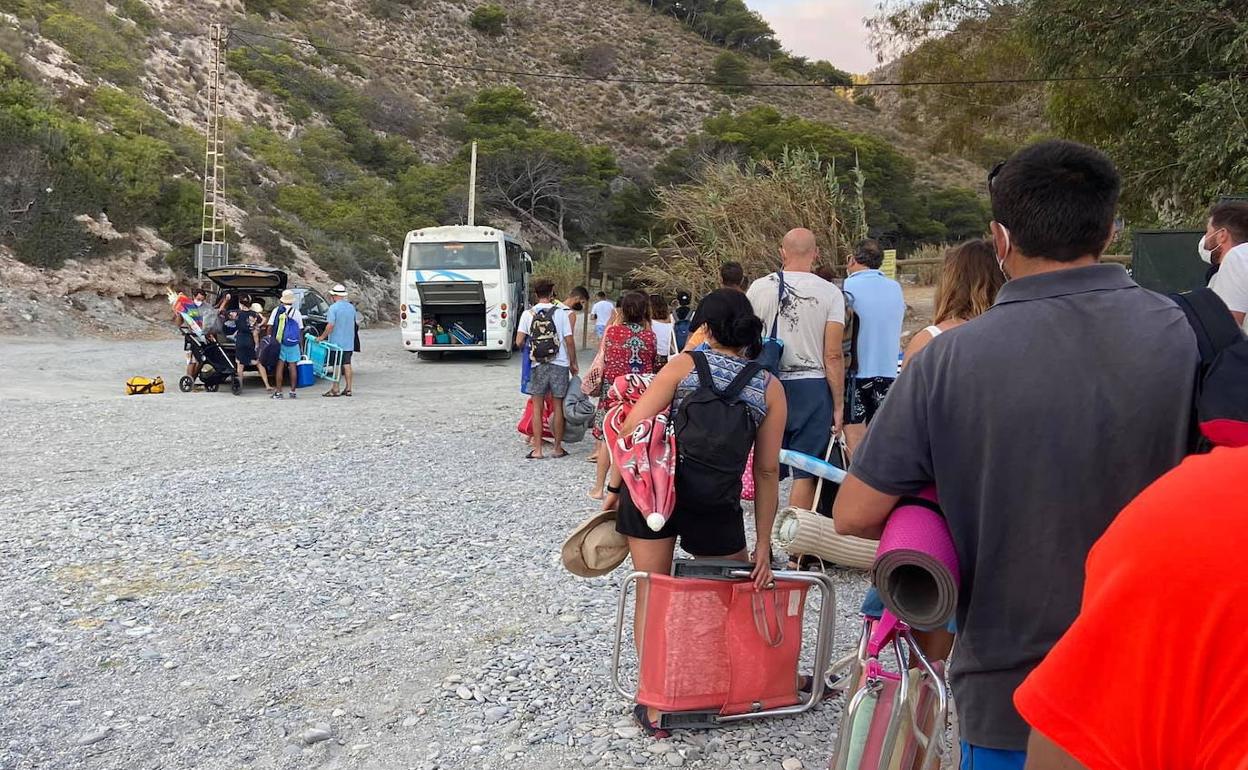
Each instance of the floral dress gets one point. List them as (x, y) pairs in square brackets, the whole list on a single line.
[(627, 349)]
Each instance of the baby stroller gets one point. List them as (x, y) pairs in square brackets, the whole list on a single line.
[(215, 365)]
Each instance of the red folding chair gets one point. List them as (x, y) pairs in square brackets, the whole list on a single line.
[(716, 650)]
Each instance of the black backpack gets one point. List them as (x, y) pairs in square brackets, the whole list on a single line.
[(545, 334), (1221, 402), (714, 436)]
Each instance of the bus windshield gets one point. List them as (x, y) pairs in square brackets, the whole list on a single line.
[(453, 256)]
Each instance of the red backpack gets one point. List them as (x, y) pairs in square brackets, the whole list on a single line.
[(1221, 402)]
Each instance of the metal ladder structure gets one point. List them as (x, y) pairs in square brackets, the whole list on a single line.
[(213, 251)]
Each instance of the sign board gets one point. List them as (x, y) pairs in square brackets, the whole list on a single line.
[(1166, 260), (210, 255), (889, 267)]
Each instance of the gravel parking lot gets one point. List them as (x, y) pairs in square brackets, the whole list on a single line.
[(208, 581)]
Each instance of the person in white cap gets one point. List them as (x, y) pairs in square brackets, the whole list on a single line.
[(340, 331), (287, 325)]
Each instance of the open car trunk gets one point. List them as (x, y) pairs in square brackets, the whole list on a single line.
[(458, 307)]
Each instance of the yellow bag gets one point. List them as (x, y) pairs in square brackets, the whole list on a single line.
[(140, 385)]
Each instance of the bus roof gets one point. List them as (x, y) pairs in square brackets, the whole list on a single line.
[(462, 233)]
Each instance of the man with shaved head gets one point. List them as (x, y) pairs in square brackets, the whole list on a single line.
[(809, 317)]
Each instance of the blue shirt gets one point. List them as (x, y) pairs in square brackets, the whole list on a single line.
[(342, 316), (881, 310)]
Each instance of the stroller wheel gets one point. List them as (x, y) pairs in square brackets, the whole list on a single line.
[(186, 384), (236, 387), (212, 388)]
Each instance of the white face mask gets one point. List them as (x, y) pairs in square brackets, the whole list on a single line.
[(1205, 253)]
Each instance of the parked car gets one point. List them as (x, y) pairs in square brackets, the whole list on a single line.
[(265, 285)]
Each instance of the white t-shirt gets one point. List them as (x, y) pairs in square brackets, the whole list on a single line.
[(562, 328), (666, 339), (602, 311), (811, 303), (1231, 281), (293, 314)]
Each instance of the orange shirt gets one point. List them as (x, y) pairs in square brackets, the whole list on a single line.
[(1153, 675)]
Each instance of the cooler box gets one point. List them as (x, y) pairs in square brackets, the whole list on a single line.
[(306, 371)]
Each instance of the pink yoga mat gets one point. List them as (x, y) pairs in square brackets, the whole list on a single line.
[(916, 566)]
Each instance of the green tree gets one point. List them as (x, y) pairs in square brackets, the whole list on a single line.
[(490, 19), (731, 73)]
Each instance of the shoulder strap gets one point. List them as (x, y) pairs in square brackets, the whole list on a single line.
[(1210, 319), (742, 379), (780, 292), (700, 365)]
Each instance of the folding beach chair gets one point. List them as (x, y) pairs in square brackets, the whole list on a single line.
[(715, 650)]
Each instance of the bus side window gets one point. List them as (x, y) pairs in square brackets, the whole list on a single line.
[(514, 261)]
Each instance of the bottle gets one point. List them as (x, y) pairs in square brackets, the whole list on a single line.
[(428, 336)]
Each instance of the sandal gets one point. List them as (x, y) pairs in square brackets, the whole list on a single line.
[(346, 393), (531, 456), (807, 683), (562, 453), (330, 394), (649, 728)]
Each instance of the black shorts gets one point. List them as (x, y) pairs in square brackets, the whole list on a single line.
[(702, 531), (865, 397), (346, 357)]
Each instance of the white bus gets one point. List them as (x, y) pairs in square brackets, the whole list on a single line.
[(462, 288)]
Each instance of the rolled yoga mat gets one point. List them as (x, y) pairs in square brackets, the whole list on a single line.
[(916, 567), (807, 533)]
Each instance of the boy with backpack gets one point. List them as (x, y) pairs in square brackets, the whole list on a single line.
[(553, 354), (287, 325)]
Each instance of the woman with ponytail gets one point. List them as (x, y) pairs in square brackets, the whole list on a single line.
[(709, 523)]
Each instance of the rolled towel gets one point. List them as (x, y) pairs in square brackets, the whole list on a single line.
[(812, 465), (807, 533), (916, 567)]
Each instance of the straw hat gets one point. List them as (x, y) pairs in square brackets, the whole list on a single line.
[(256, 307), (288, 297), (338, 291), (595, 548)]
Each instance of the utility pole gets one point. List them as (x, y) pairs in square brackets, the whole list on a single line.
[(213, 251), (472, 188)]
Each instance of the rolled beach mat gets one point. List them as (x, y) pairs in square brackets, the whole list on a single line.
[(806, 533), (916, 567), (812, 465)]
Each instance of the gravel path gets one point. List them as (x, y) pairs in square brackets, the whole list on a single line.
[(208, 581)]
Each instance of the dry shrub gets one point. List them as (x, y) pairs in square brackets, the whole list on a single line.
[(740, 213), (564, 269), (926, 275)]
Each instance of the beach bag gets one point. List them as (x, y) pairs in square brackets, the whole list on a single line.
[(592, 385), (269, 352), (137, 386), (525, 426), (545, 335), (1221, 399), (577, 408), (287, 328), (773, 346), (714, 437)]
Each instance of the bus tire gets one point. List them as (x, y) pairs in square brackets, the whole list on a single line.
[(427, 355)]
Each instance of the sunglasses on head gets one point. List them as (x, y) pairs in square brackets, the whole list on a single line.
[(996, 169)]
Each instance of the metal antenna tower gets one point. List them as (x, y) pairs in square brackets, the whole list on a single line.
[(213, 251)]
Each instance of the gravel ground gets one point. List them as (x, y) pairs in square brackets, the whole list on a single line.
[(208, 581)]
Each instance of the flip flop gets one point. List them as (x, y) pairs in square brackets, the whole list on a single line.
[(562, 453), (808, 683), (648, 727), (330, 394), (531, 456)]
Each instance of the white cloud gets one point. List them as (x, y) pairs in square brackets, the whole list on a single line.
[(822, 29)]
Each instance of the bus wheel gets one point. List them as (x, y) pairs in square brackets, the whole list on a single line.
[(427, 355)]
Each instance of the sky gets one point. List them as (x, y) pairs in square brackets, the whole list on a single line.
[(822, 29)]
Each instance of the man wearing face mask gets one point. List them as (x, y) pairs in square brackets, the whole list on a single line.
[(1225, 246), (1037, 422)]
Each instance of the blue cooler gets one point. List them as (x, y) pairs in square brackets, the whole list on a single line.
[(307, 373)]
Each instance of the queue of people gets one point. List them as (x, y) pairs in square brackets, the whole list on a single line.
[(1047, 395)]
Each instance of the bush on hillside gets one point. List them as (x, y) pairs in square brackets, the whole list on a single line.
[(597, 60), (563, 268), (104, 46), (731, 73), (490, 19)]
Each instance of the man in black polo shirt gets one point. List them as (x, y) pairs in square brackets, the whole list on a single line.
[(1037, 422)]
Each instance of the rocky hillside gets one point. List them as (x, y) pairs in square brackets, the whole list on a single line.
[(338, 149)]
